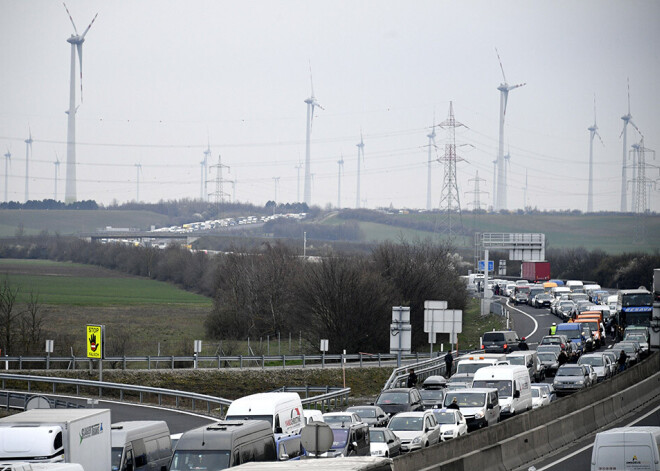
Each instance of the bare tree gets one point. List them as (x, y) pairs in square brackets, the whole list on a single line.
[(32, 325), (8, 315)]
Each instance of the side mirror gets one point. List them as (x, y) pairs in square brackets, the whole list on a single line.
[(516, 394), (140, 461), (354, 445)]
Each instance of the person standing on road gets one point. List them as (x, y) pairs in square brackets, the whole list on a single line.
[(553, 328), (523, 344), (622, 360), (449, 361), (412, 378), (562, 358)]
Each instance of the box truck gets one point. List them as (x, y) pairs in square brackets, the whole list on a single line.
[(535, 271), (58, 435)]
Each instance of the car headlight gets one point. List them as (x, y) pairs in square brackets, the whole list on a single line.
[(580, 382), (506, 408), (448, 432), (417, 440), (479, 415)]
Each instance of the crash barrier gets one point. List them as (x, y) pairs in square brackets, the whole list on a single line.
[(17, 400), (216, 361), (215, 406), (532, 435)]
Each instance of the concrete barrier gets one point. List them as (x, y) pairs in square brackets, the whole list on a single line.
[(546, 429)]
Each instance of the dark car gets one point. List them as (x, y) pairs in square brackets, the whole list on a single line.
[(373, 416), (550, 361), (432, 398), (500, 341), (399, 400)]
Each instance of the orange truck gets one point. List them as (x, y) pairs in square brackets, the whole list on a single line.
[(594, 319)]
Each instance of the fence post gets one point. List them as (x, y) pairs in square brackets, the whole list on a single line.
[(283, 361), (379, 360), (149, 362), (172, 361), (360, 359), (124, 362), (240, 362), (218, 361), (263, 362)]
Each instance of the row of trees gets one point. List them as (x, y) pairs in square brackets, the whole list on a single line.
[(345, 299), (50, 204), (21, 324)]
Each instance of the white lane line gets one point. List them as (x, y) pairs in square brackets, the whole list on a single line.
[(577, 452), (536, 324)]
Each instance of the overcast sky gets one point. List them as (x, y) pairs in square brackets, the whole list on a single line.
[(162, 77)]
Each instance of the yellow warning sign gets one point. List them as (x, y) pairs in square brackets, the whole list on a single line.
[(95, 341)]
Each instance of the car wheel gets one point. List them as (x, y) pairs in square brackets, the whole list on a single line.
[(387, 455), (426, 445)]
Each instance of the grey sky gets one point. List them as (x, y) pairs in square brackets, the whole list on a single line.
[(158, 74)]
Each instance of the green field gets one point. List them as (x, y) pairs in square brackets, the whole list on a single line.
[(75, 284), (613, 233), (65, 222)]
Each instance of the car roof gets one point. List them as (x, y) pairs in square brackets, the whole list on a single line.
[(419, 413)]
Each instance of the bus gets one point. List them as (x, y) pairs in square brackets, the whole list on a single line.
[(635, 307)]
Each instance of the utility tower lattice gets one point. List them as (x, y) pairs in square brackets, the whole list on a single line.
[(219, 193), (450, 202), (641, 185), (204, 192), (432, 147), (360, 147), (476, 201)]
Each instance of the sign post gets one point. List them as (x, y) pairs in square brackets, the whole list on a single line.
[(49, 350), (197, 348), (96, 345), (324, 348)]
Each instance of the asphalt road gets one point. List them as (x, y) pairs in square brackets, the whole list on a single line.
[(534, 324)]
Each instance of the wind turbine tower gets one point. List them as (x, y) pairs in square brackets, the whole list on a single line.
[(7, 160), (360, 147), (298, 167), (627, 119), (57, 172), (138, 171), (593, 131), (76, 41), (431, 146), (277, 182), (340, 163), (28, 153), (311, 104), (504, 88), (205, 172)]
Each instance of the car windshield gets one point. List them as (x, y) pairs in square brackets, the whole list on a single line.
[(516, 361), (572, 333), (202, 460), (336, 419), (466, 399), (536, 392), (393, 398), (370, 413), (628, 348), (445, 417), (340, 436), (593, 361), (493, 337), (432, 394), (566, 304), (406, 424), (635, 337), (547, 356), (267, 418), (470, 368), (570, 371), (503, 386), (550, 341), (116, 457), (377, 436)]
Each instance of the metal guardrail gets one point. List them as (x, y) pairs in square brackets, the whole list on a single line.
[(23, 399), (236, 361), (331, 398), (423, 369)]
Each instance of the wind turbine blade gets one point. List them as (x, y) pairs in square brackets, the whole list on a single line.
[(636, 128), (500, 61), (506, 99), (90, 25), (311, 80), (79, 47), (600, 138), (516, 86), (68, 13), (628, 96)]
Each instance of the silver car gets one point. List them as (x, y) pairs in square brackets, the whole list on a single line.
[(600, 363), (571, 378)]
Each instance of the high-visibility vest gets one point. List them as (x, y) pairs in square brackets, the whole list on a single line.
[(553, 330)]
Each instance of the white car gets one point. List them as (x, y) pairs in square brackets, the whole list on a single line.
[(539, 397), (415, 429), (592, 374), (340, 418), (452, 423), (599, 363)]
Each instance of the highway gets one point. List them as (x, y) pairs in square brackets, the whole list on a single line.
[(534, 324)]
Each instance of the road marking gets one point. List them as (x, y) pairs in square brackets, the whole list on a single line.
[(577, 452), (536, 324)]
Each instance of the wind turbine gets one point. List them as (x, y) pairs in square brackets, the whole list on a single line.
[(494, 183), (138, 171), (339, 172), (593, 131), (431, 137), (7, 161), (311, 104), (277, 182), (504, 88), (57, 172), (76, 41), (28, 153), (360, 147), (507, 166), (298, 167), (627, 119), (205, 170)]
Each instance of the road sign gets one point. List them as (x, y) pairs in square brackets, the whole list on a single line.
[(491, 265), (95, 341)]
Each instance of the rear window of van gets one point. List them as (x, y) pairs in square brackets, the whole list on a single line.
[(493, 337)]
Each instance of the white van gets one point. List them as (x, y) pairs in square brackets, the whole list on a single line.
[(557, 291), (627, 448), (574, 284), (512, 383), (530, 360), (283, 410), (479, 406), (143, 444)]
